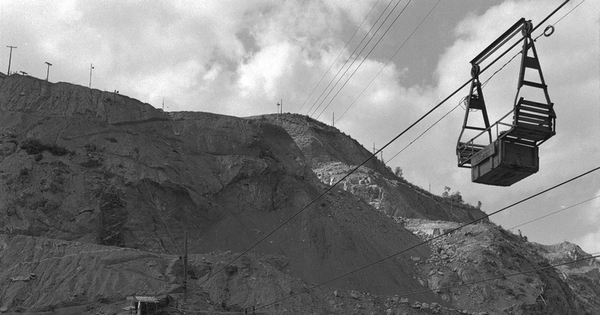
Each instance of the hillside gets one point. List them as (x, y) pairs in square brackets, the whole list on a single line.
[(98, 189), (331, 154)]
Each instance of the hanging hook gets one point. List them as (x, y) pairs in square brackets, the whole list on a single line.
[(549, 30)]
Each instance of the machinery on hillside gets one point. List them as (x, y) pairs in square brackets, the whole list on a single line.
[(506, 152)]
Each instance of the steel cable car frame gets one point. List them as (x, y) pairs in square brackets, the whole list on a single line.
[(504, 153)]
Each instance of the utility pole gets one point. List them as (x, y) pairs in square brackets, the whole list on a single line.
[(10, 58), (375, 150), (279, 104), (185, 263), (48, 71), (91, 68), (333, 120)]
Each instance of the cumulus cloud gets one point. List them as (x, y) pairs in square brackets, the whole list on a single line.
[(241, 57)]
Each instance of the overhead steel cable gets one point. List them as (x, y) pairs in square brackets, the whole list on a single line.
[(424, 132), (373, 155), (338, 56), (389, 60), (363, 60), (483, 84), (360, 52), (502, 276), (437, 237), (353, 53), (555, 212)]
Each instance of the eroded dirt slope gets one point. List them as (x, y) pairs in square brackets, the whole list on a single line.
[(331, 154), (96, 167)]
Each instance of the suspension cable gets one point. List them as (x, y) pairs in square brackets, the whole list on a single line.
[(364, 47), (361, 62), (373, 155), (439, 236), (503, 276), (389, 60), (555, 212), (338, 56), (354, 51)]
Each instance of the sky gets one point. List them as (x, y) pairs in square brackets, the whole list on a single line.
[(241, 58)]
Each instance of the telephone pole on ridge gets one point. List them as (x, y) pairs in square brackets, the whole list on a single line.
[(10, 58), (48, 71), (91, 68)]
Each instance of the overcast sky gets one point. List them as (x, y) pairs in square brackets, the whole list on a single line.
[(241, 57)]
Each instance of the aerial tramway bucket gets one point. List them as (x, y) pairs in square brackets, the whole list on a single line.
[(506, 152)]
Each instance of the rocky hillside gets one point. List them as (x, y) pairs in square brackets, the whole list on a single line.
[(96, 167), (98, 189), (331, 155), (582, 277)]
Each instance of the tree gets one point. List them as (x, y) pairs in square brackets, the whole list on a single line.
[(446, 193), (398, 172), (456, 198)]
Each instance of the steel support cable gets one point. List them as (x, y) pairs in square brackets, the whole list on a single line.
[(374, 154), (291, 234), (535, 39), (450, 111), (424, 132), (362, 61), (338, 56), (436, 237), (555, 212), (389, 60), (491, 75), (163, 220), (353, 53), (483, 84), (575, 7), (343, 178), (360, 52), (503, 276)]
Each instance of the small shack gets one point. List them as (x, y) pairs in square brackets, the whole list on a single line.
[(147, 305)]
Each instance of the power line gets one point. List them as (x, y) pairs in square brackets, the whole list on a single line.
[(580, 3), (439, 236), (360, 52), (503, 276), (338, 56), (483, 84), (424, 132), (362, 61), (555, 212), (352, 54), (374, 154), (394, 55), (450, 111), (162, 219)]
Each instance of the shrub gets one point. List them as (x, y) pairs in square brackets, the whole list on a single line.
[(24, 172), (34, 146), (56, 150), (90, 147)]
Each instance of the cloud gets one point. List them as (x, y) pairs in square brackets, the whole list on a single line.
[(590, 243), (241, 57)]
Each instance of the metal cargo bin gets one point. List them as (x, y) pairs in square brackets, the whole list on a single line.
[(503, 163)]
